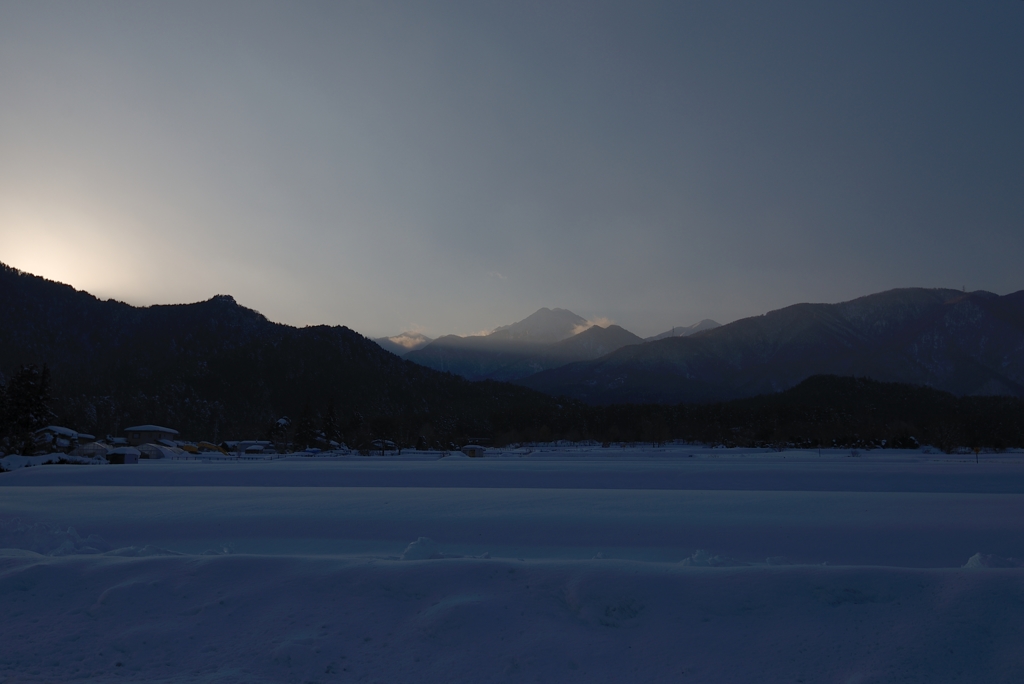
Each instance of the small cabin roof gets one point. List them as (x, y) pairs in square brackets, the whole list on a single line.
[(151, 428), (58, 430)]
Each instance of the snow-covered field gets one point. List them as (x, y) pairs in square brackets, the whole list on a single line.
[(681, 564)]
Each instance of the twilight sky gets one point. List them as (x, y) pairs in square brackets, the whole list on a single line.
[(451, 167)]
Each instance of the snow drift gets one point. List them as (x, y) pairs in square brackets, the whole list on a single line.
[(356, 569)]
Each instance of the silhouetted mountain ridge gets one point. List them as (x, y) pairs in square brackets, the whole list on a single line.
[(685, 330), (215, 369)]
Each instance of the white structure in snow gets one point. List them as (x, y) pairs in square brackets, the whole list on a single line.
[(473, 450), (124, 455), (161, 451), (92, 449)]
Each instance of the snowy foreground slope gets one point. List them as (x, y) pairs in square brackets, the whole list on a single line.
[(681, 564)]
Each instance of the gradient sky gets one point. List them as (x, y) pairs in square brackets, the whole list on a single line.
[(451, 167)]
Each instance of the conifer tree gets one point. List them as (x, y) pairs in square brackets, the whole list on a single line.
[(331, 430), (278, 432), (305, 429), (28, 394), (4, 423)]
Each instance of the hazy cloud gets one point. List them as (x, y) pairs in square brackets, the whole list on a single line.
[(599, 321), (407, 339)]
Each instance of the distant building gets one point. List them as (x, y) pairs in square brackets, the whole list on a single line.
[(242, 446), (473, 450), (145, 434)]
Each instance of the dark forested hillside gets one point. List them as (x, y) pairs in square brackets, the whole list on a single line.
[(827, 411), (218, 370)]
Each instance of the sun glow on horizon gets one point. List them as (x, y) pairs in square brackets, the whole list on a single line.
[(66, 248), (111, 259)]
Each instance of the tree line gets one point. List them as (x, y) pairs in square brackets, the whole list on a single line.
[(24, 408), (821, 412)]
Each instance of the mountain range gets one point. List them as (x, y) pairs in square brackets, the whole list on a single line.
[(216, 369), (966, 343), (685, 331), (548, 338)]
